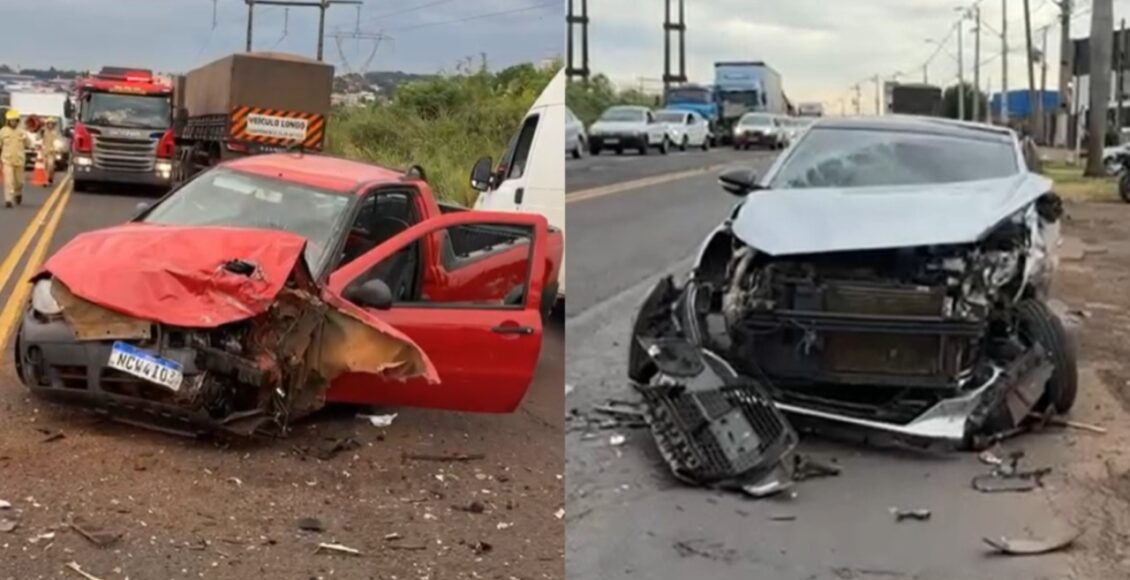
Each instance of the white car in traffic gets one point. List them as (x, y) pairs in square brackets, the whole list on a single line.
[(686, 128), (628, 127)]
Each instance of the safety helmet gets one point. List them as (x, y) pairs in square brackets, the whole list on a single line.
[(11, 114)]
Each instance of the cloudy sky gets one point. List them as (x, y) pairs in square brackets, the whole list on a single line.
[(177, 35), (823, 47)]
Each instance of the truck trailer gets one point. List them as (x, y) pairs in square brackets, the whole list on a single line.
[(746, 87), (249, 103), (120, 130), (916, 99)]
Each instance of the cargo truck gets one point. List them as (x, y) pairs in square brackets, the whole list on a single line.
[(249, 103), (916, 99), (697, 98), (746, 87), (120, 130)]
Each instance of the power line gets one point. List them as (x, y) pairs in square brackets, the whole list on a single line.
[(483, 15)]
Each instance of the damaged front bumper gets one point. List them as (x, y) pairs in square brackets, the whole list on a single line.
[(997, 401)]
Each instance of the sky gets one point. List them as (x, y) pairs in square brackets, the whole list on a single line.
[(822, 48), (427, 36)]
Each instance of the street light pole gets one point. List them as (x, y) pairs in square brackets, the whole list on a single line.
[(977, 64), (1004, 62), (960, 75)]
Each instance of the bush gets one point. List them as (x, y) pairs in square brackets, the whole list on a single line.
[(443, 124), (589, 100)]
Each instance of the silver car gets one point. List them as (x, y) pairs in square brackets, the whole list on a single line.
[(575, 138)]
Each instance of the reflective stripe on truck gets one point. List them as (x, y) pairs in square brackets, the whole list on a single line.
[(277, 127)]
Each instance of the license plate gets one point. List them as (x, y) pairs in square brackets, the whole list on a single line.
[(612, 141), (144, 365)]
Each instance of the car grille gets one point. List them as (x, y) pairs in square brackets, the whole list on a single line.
[(124, 154)]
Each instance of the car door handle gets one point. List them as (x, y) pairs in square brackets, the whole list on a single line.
[(519, 194), (512, 330)]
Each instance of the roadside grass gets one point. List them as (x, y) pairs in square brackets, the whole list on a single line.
[(1071, 184), (588, 99), (443, 125)]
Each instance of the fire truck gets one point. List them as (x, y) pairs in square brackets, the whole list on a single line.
[(121, 130)]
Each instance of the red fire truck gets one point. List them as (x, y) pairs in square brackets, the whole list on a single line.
[(121, 129)]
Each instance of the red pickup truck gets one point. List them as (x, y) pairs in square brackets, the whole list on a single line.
[(271, 284)]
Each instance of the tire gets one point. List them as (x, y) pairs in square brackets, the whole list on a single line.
[(1038, 324), (706, 144), (1124, 186), (683, 145), (643, 147), (619, 150), (594, 149), (577, 151), (664, 146)]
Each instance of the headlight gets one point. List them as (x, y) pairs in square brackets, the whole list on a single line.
[(59, 144), (164, 167), (42, 300)]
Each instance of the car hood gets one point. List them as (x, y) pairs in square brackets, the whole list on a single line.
[(805, 221), (183, 277), (617, 127)]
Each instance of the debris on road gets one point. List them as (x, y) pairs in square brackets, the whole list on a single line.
[(481, 548), (560, 513), (311, 525), (568, 389), (805, 467), (93, 533), (4, 504), (338, 445), (1007, 476), (920, 514), (337, 548), (50, 435), (475, 507), (7, 525), (1061, 422), (379, 420), (73, 566), (616, 440), (782, 518), (451, 457), (1029, 547), (40, 537)]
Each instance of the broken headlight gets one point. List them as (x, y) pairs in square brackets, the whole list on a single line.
[(42, 300)]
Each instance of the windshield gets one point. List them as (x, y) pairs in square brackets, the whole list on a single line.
[(671, 116), (222, 197), (756, 120), (744, 98), (616, 114), (134, 111), (689, 95), (861, 158)]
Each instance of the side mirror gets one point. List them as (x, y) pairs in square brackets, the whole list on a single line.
[(141, 207), (68, 108), (372, 294), (481, 174), (739, 182)]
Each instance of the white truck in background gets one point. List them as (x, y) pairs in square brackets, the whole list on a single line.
[(530, 177), (43, 105)]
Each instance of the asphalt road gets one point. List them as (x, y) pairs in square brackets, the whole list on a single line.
[(608, 167), (190, 509), (628, 518)]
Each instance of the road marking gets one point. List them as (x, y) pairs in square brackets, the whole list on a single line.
[(595, 192), (15, 305), (13, 257)]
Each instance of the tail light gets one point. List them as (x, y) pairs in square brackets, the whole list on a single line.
[(82, 141), (166, 145)]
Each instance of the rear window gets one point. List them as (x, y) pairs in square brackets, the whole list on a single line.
[(616, 114), (865, 158)]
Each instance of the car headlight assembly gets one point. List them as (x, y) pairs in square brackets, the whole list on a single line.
[(59, 144), (42, 301)]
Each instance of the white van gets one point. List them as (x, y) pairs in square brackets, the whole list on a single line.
[(531, 175)]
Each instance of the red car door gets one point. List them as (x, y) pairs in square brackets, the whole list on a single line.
[(484, 350)]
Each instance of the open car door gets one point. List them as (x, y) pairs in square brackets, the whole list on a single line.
[(466, 287)]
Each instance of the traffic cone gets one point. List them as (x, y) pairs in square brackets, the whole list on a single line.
[(39, 174)]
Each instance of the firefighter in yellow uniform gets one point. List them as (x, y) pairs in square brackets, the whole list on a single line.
[(13, 149), (50, 136)]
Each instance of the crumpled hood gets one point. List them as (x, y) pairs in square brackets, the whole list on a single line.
[(805, 221), (616, 127), (175, 275)]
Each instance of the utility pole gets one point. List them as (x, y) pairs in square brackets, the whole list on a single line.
[(1120, 63), (681, 28), (925, 78), (1004, 62), (960, 73), (858, 98), (878, 97), (1065, 59), (573, 19), (1102, 27), (1031, 67), (1041, 122), (977, 63), (321, 5)]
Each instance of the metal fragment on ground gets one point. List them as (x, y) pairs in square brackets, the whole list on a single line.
[(94, 533), (7, 525), (805, 467), (920, 514), (1007, 476), (337, 548), (73, 566), (1029, 547), (310, 525), (379, 420)]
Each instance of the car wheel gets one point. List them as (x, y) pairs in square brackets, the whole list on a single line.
[(664, 146), (1111, 165), (737, 147), (619, 150), (1038, 324), (706, 143), (1124, 186), (577, 151), (683, 145), (643, 147), (594, 149)]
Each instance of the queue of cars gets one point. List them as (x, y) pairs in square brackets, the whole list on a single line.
[(623, 128)]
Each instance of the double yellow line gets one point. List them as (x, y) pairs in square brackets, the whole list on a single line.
[(45, 220)]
